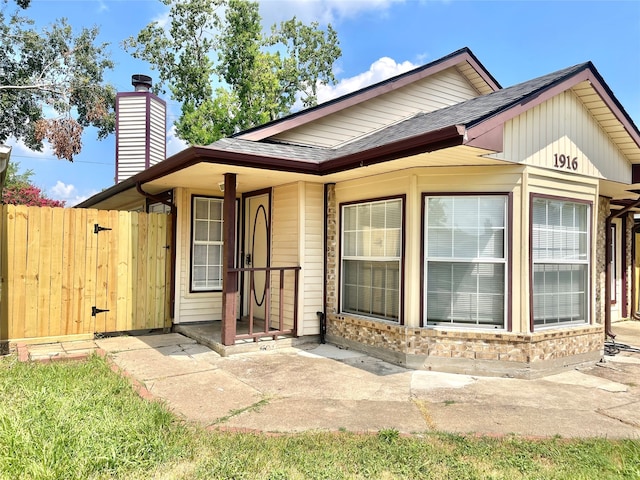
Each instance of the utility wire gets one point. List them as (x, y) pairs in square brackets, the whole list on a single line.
[(55, 159)]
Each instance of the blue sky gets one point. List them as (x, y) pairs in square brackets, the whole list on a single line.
[(515, 40)]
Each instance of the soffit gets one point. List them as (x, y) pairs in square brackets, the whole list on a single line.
[(207, 176), (607, 120)]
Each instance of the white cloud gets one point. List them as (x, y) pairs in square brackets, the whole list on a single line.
[(174, 144), (322, 11), (379, 70), (102, 6), (62, 190), (69, 193), (20, 149)]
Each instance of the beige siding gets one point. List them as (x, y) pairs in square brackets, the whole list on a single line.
[(563, 126), (284, 245), (437, 91), (191, 306), (312, 260)]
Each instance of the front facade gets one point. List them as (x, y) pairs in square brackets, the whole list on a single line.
[(435, 220)]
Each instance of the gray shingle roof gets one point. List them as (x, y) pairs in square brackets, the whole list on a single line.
[(467, 113)]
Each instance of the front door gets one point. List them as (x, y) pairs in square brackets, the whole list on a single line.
[(256, 252)]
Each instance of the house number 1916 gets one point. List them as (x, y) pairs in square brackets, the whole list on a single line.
[(565, 161)]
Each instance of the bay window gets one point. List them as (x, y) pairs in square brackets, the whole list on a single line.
[(466, 260), (371, 258), (560, 257)]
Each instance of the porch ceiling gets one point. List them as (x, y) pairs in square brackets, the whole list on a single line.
[(206, 176)]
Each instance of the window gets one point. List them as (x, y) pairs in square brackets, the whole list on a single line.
[(465, 260), (371, 258), (560, 253), (206, 254)]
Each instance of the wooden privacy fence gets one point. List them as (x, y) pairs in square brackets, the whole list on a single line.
[(72, 273)]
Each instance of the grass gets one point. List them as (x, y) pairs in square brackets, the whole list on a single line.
[(81, 420)]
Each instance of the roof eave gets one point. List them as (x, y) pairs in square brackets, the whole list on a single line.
[(482, 126), (372, 91), (427, 142), (423, 143)]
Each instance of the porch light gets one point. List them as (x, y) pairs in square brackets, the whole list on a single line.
[(221, 186)]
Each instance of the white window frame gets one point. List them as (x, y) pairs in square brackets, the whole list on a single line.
[(372, 259), (213, 286), (558, 261), (475, 260)]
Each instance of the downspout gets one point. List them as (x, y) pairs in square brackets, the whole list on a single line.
[(323, 313), (634, 266), (172, 253), (607, 258)]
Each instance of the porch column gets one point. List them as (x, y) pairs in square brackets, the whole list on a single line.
[(229, 278)]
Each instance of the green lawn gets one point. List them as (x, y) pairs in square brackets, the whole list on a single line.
[(81, 420)]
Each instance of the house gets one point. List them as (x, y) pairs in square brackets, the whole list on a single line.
[(435, 220)]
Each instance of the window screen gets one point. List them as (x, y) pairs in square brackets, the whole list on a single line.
[(465, 260), (206, 256), (560, 252), (371, 258)]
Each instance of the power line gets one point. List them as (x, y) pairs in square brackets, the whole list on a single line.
[(56, 159)]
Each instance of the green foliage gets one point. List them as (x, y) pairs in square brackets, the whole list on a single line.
[(18, 179), (57, 69), (258, 77), (389, 435)]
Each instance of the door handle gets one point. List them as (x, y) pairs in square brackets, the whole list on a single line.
[(247, 259)]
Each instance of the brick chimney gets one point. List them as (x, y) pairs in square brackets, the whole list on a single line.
[(141, 119)]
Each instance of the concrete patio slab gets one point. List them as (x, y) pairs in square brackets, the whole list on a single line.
[(628, 413), (574, 377), (330, 351), (149, 364), (205, 397), (290, 375), (304, 414), (327, 388), (526, 420), (119, 344)]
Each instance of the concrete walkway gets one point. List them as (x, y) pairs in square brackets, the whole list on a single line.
[(322, 387)]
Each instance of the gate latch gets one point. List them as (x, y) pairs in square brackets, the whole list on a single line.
[(95, 311), (97, 228)]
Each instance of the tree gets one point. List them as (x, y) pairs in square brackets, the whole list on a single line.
[(259, 76), (57, 70), (19, 190)]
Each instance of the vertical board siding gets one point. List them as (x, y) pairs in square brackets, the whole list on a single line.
[(55, 268), (563, 125), (284, 247), (312, 274)]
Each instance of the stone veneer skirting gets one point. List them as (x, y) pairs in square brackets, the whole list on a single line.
[(471, 352)]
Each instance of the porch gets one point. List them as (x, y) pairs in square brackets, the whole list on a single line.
[(210, 334), (275, 325)]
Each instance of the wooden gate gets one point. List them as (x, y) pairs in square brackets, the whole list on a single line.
[(73, 273)]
